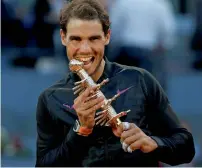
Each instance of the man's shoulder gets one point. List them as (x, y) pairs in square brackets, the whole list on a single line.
[(136, 71)]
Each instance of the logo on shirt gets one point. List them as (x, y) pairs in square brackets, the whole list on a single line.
[(123, 91), (68, 106)]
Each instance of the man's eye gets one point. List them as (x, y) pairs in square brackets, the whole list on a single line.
[(94, 38), (75, 39)]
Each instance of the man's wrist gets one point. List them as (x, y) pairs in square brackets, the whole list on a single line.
[(82, 130), (154, 143), (85, 131)]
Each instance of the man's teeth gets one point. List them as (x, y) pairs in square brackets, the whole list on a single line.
[(86, 59)]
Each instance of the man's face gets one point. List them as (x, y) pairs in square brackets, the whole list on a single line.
[(85, 41)]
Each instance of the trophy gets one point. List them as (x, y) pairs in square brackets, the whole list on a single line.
[(108, 115)]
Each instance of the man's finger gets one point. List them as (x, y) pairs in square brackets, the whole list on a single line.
[(122, 127), (132, 139), (132, 131), (125, 146), (93, 109), (85, 94), (92, 103), (135, 145), (125, 126), (128, 141), (92, 97)]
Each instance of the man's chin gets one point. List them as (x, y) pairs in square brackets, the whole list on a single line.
[(89, 71), (93, 69)]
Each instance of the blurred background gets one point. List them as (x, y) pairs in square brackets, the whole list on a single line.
[(162, 36)]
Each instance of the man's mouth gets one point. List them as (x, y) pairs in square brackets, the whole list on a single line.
[(87, 60)]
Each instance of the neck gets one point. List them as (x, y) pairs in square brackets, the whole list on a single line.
[(99, 71)]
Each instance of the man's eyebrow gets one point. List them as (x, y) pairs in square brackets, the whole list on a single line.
[(96, 36), (74, 36)]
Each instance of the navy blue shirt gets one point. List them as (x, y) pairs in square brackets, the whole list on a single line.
[(59, 145)]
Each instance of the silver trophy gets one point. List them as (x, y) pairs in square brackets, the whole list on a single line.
[(108, 116)]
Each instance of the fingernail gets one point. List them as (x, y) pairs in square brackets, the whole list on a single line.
[(129, 150), (124, 146)]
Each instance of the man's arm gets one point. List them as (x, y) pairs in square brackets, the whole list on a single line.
[(53, 147), (175, 143)]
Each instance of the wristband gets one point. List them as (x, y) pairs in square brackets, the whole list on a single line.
[(82, 130), (85, 130)]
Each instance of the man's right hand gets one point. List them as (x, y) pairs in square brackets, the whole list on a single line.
[(86, 106)]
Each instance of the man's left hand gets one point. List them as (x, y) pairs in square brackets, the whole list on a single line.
[(134, 138)]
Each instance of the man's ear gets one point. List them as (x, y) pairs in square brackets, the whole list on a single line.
[(107, 37), (63, 37)]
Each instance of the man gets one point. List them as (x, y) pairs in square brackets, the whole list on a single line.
[(67, 133)]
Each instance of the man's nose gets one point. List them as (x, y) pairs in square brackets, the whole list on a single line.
[(85, 47)]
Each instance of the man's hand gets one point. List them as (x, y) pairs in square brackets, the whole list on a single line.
[(86, 106), (133, 138)]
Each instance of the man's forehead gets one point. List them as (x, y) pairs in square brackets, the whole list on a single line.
[(84, 27)]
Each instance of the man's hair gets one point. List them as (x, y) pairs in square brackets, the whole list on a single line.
[(84, 10)]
